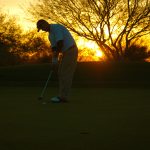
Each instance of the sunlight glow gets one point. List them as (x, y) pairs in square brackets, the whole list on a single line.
[(99, 53), (90, 50), (32, 54), (20, 16)]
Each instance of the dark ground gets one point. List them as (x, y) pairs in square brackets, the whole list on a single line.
[(94, 119), (109, 108)]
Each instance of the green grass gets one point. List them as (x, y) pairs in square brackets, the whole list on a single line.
[(94, 119)]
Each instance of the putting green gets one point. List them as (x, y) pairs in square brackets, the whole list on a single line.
[(94, 119)]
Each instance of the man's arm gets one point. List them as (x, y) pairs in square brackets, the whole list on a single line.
[(56, 50), (58, 46)]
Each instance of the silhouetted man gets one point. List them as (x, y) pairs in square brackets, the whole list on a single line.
[(61, 42)]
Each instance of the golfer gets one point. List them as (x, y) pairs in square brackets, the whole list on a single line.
[(61, 42)]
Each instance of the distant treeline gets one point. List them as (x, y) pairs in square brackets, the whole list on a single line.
[(87, 74), (17, 47)]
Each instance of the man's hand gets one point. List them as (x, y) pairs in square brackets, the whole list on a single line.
[(54, 60), (56, 49)]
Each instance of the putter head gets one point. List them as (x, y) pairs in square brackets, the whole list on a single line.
[(40, 98)]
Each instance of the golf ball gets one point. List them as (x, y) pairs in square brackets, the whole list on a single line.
[(44, 103)]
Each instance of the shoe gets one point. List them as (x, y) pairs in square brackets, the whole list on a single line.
[(58, 99)]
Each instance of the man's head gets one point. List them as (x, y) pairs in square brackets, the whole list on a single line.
[(43, 25)]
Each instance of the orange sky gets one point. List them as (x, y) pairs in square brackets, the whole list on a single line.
[(13, 7)]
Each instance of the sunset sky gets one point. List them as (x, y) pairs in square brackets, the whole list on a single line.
[(13, 7)]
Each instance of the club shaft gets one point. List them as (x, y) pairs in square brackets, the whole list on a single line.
[(45, 86)]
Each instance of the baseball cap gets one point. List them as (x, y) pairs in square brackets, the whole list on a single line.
[(40, 24)]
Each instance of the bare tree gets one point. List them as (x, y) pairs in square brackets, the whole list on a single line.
[(17, 46), (113, 24), (10, 31), (10, 34)]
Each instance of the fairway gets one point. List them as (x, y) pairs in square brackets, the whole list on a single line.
[(94, 119)]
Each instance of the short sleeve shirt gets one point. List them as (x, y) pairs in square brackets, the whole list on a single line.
[(59, 32)]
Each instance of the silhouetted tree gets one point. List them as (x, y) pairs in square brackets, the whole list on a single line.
[(10, 31), (18, 47), (112, 24), (137, 53), (9, 40), (34, 48), (31, 42)]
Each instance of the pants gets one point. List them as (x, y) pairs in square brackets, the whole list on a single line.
[(66, 71)]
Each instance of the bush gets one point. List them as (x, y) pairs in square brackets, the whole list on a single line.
[(137, 53), (6, 57)]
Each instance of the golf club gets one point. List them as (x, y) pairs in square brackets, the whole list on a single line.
[(43, 91)]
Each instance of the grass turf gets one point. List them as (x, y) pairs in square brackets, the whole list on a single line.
[(94, 119)]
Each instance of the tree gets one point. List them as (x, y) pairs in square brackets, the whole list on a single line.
[(10, 34), (18, 47), (34, 48), (10, 31), (113, 24), (137, 53)]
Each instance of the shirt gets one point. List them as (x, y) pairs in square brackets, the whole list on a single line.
[(59, 32)]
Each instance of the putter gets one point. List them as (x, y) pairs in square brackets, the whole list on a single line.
[(45, 86)]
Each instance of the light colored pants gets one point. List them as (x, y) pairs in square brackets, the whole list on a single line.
[(66, 71)]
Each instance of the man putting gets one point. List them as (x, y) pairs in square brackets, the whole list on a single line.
[(61, 42)]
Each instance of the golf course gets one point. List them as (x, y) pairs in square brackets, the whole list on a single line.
[(109, 109)]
